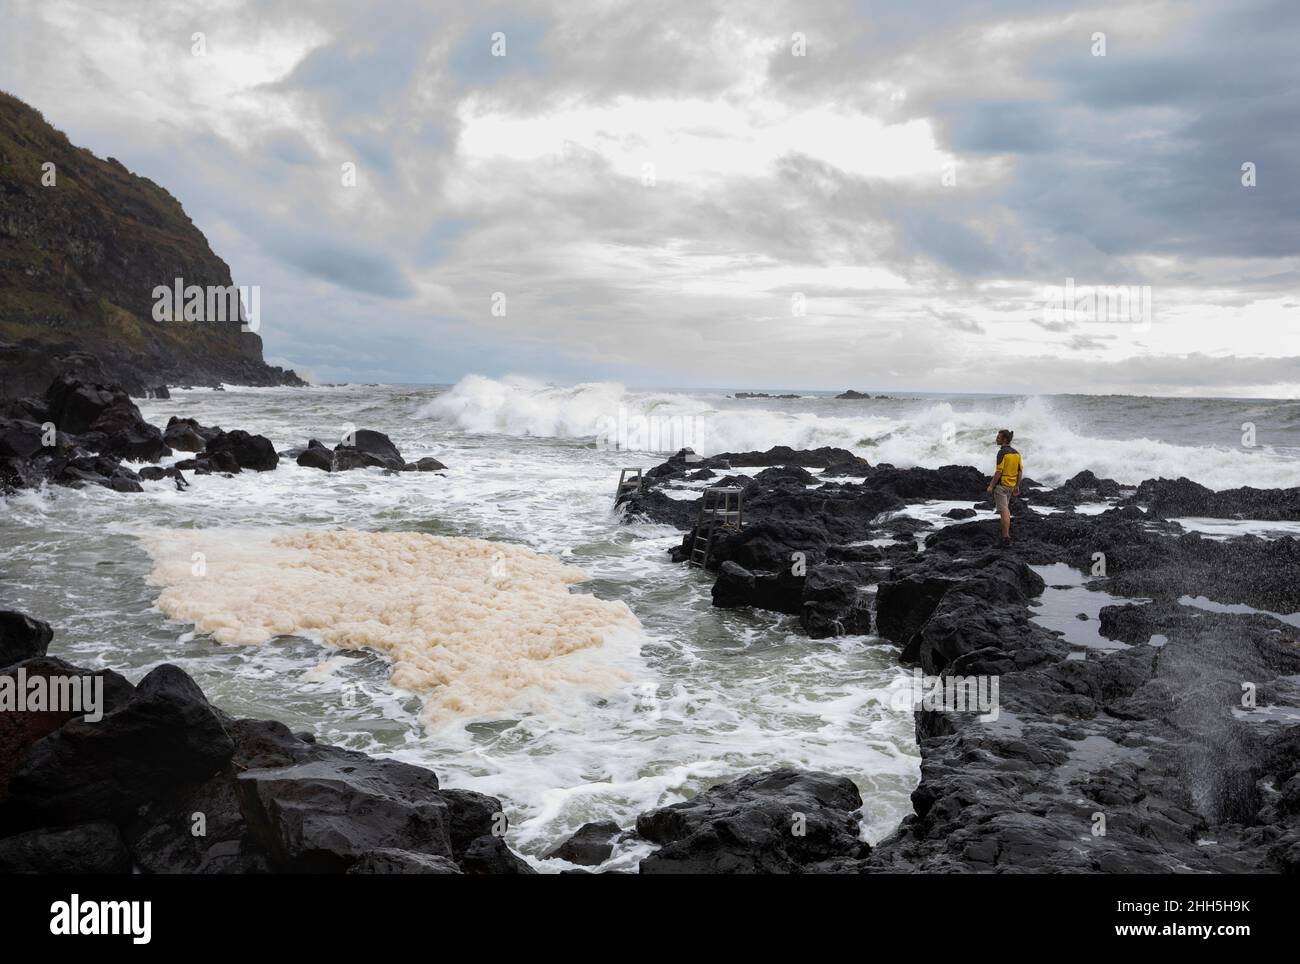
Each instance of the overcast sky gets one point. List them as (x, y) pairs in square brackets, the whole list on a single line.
[(659, 189)]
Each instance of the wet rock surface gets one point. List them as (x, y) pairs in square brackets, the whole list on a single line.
[(88, 848), (785, 821), (363, 449), (165, 782), (22, 637), (1167, 498), (1172, 747), (77, 433), (591, 845), (81, 432)]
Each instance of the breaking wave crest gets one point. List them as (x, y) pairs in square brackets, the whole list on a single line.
[(905, 432)]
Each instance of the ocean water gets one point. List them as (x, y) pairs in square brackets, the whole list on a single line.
[(705, 695)]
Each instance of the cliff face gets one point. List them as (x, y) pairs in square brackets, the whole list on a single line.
[(79, 262)]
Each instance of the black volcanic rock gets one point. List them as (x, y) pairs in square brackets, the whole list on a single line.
[(784, 821), (141, 442), (849, 467), (949, 482), (834, 603), (1152, 737), (1086, 484), (167, 783), (74, 471), (377, 444), (20, 731), (165, 733), (780, 591), (347, 458), (284, 804), (365, 449), (156, 473), (773, 546), (1165, 498), (733, 587), (490, 855), (651, 504), (22, 637), (779, 474), (903, 604), (87, 848), (316, 456), (253, 452), (590, 845), (473, 815), (321, 813), (76, 406), (21, 439), (187, 435), (107, 413), (388, 860), (783, 455)]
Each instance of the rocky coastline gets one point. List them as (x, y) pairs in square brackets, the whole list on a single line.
[(80, 433), (1170, 745)]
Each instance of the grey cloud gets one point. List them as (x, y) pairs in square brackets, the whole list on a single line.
[(352, 267), (1057, 325), (956, 320), (1118, 170), (1086, 343)]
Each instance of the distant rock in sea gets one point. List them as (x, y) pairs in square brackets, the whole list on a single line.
[(852, 395)]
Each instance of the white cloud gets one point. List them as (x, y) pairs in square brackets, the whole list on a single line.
[(694, 140)]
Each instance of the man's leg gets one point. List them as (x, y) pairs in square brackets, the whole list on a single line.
[(1001, 500)]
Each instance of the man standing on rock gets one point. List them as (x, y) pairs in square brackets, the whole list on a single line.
[(1006, 481)]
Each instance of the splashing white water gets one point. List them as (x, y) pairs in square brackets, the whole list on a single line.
[(910, 432)]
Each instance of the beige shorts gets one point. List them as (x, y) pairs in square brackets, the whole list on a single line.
[(1002, 498)]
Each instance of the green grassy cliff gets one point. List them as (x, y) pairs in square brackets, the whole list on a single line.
[(79, 262)]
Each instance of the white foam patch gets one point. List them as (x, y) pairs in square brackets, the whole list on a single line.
[(475, 627)]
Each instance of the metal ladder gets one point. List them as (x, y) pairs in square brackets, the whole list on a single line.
[(629, 481), (716, 513)]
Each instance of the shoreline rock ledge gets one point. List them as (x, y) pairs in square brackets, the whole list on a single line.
[(167, 783), (1164, 739), (1161, 737)]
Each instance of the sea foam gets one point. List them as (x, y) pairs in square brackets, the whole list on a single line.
[(474, 627)]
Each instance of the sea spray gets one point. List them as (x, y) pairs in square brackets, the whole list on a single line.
[(1059, 435)]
